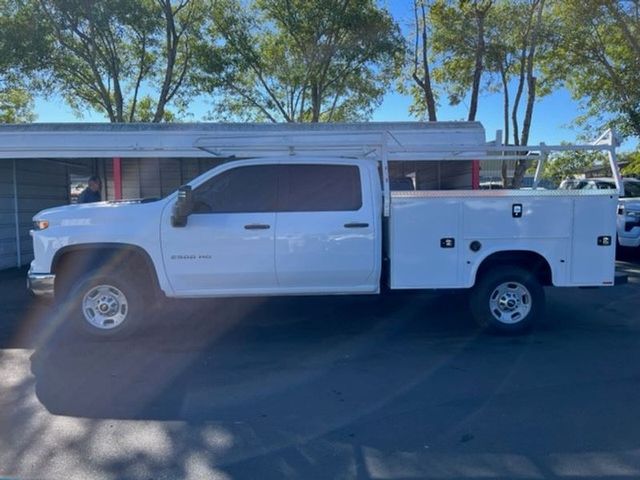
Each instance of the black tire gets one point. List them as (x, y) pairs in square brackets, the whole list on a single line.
[(507, 285), (621, 252), (121, 292), (625, 253)]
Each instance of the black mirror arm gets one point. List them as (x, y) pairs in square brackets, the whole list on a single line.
[(183, 207)]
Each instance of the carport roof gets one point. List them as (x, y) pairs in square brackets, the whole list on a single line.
[(226, 127), (138, 140)]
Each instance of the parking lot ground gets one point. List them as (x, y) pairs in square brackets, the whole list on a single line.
[(341, 387)]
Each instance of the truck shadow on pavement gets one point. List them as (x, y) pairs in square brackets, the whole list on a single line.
[(206, 359), (399, 388), (203, 360)]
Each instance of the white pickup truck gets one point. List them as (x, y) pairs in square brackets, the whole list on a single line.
[(628, 220), (316, 226)]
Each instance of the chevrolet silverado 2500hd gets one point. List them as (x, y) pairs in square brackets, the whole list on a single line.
[(297, 225)]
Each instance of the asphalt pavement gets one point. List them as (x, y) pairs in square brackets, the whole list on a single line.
[(341, 387)]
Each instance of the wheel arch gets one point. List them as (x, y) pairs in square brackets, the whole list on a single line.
[(72, 261), (530, 260)]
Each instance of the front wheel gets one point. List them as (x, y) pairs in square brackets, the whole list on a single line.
[(508, 300), (105, 306)]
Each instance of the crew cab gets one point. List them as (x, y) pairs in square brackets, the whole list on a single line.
[(299, 225)]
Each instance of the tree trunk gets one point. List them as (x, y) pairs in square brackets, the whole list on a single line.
[(316, 102), (172, 40), (478, 67), (516, 101), (523, 165), (504, 174), (425, 82), (505, 97), (528, 114), (505, 100)]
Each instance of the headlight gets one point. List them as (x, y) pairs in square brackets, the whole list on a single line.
[(40, 224)]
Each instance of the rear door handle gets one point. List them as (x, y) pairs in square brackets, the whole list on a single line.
[(257, 226), (356, 225)]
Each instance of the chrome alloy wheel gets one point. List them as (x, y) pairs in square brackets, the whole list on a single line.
[(105, 307), (510, 302)]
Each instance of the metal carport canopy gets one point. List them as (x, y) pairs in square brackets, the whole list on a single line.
[(221, 139)]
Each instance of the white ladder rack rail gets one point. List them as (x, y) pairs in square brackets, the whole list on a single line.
[(384, 148)]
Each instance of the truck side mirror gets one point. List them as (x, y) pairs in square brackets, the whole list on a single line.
[(183, 207)]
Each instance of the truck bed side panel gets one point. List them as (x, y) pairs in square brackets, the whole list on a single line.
[(561, 228), (593, 264), (417, 229)]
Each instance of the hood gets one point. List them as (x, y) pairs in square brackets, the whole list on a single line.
[(100, 212), (630, 203)]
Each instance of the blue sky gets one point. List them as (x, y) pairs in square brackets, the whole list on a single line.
[(551, 123), (552, 118)]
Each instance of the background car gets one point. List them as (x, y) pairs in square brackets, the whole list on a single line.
[(628, 220)]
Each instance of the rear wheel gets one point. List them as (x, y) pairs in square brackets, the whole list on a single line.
[(507, 299), (105, 306)]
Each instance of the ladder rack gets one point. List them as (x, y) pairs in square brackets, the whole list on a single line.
[(384, 147), (380, 142)]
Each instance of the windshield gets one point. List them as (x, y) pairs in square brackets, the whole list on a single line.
[(632, 189)]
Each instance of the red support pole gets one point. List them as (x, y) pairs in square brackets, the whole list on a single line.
[(475, 174), (117, 178)]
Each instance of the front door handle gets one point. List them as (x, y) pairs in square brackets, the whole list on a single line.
[(257, 226), (356, 225)]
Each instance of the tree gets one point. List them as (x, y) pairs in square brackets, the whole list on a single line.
[(299, 60), (501, 42), (519, 39), (502, 53), (530, 42), (571, 164), (632, 167), (21, 52), (16, 106), (459, 42), (422, 89), (110, 55), (598, 59)]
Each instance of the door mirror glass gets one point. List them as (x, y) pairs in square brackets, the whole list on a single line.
[(183, 207)]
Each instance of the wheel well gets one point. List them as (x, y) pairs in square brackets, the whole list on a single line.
[(72, 262), (530, 261)]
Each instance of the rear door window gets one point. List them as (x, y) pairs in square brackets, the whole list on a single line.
[(319, 188)]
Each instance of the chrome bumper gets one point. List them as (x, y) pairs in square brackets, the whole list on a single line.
[(41, 284)]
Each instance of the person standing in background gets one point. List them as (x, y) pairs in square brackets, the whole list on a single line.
[(92, 192)]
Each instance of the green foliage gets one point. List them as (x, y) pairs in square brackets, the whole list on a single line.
[(318, 60), (454, 44), (16, 106), (297, 60), (115, 56), (23, 47), (146, 109), (570, 164), (487, 45), (22, 52), (631, 169), (597, 57)]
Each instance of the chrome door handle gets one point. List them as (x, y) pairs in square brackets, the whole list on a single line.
[(257, 226), (356, 225)]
